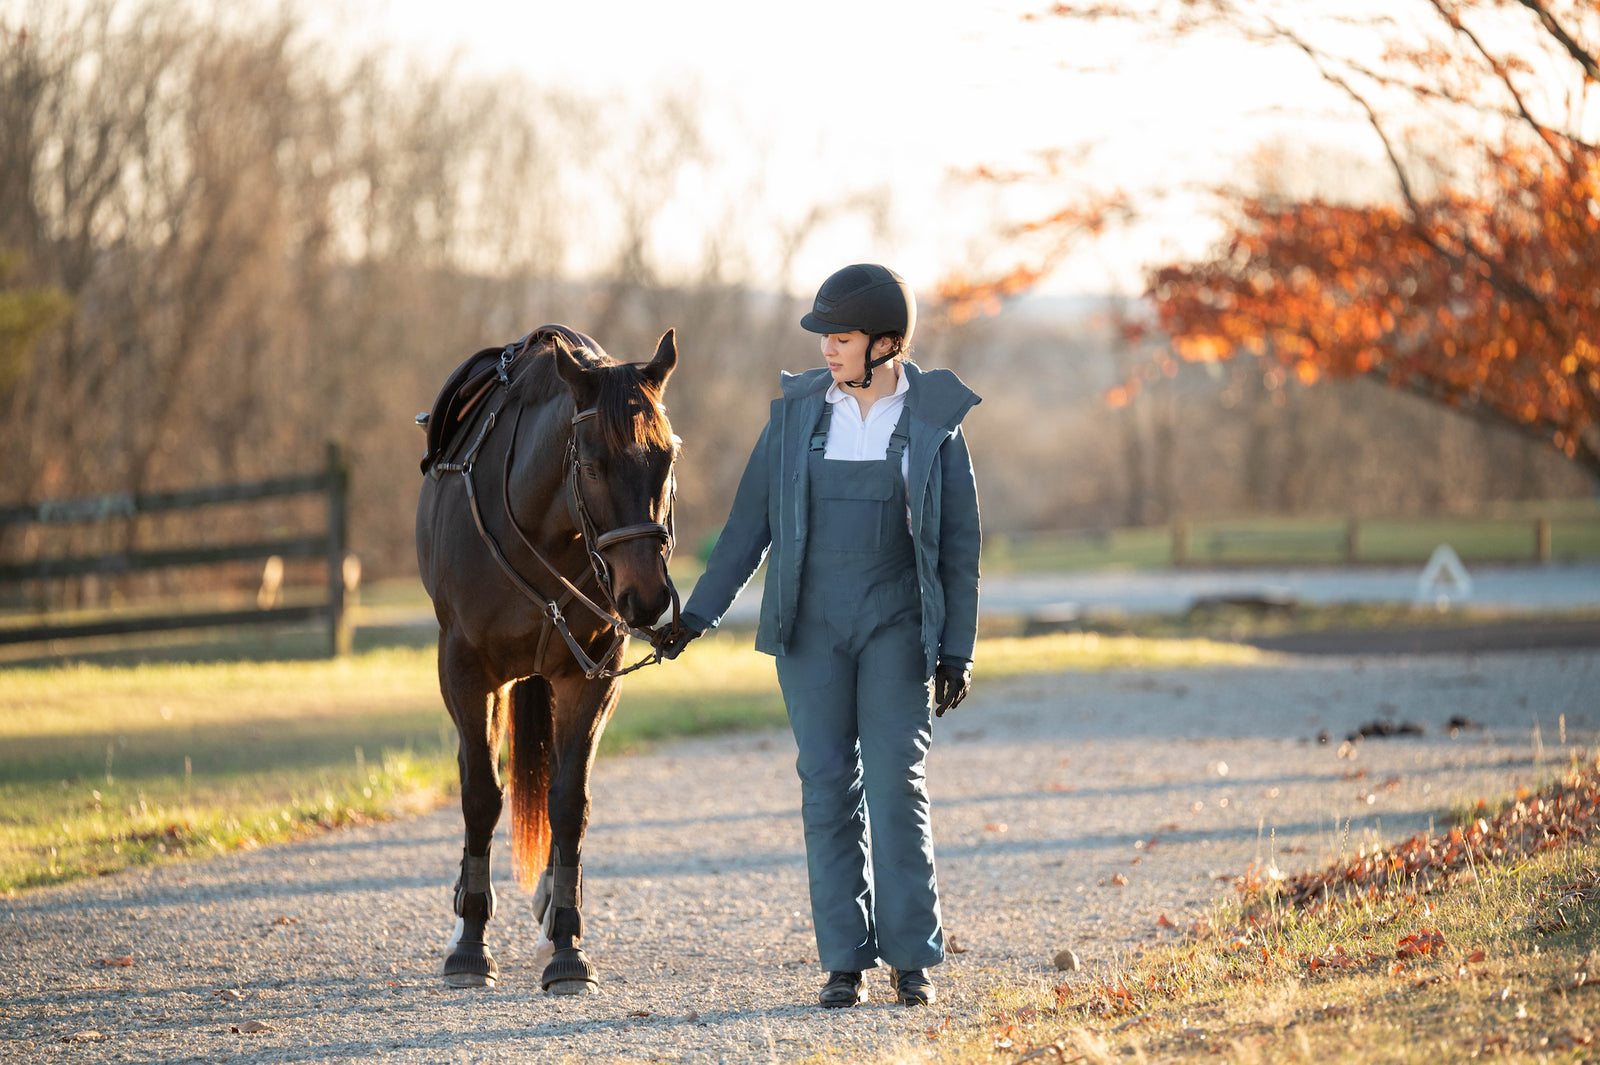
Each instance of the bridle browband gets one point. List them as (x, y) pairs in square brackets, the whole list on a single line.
[(594, 543)]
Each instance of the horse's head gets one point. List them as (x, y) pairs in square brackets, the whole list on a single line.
[(623, 452)]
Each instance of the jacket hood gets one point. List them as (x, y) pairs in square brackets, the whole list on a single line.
[(938, 397)]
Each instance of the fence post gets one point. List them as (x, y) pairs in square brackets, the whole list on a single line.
[(1352, 541), (1180, 542), (1541, 540), (338, 485)]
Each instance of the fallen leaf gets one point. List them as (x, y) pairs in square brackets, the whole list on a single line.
[(1164, 922), (287, 920), (1477, 955), (638, 1013), (1427, 941), (251, 1028), (1119, 880), (227, 994), (994, 827), (952, 947), (121, 963)]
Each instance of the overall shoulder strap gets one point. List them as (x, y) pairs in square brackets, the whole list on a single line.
[(900, 437), (819, 435)]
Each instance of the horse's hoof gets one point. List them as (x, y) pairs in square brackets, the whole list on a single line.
[(570, 973), (572, 987), (471, 965)]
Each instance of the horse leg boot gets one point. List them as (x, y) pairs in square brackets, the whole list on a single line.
[(570, 971), (470, 964)]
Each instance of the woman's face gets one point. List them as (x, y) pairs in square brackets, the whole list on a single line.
[(846, 355)]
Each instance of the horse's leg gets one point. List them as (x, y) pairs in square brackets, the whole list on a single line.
[(582, 708), (479, 712)]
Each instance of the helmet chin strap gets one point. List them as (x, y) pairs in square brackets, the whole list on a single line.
[(866, 379)]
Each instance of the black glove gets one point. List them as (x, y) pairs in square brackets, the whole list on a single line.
[(673, 643), (951, 683)]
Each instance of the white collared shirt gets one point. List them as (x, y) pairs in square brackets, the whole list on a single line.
[(854, 440)]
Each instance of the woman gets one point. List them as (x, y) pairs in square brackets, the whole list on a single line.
[(861, 488)]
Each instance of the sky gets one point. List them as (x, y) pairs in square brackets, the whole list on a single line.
[(833, 97)]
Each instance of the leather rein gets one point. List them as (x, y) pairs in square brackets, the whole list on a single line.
[(593, 542)]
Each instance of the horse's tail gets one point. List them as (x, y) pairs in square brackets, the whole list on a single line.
[(529, 780)]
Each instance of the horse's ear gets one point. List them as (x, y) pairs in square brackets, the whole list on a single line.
[(658, 369), (572, 370)]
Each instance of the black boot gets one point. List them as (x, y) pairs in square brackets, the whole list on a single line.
[(912, 987), (843, 989)]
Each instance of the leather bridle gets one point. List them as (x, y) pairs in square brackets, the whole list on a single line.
[(594, 543)]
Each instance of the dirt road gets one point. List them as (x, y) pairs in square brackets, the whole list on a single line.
[(1048, 791)]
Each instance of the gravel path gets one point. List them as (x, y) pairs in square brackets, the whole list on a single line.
[(1045, 789)]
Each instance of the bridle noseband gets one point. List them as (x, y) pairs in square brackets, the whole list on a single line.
[(594, 543)]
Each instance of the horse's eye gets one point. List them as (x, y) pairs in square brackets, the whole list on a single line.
[(590, 472)]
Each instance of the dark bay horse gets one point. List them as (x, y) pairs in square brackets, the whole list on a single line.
[(543, 533)]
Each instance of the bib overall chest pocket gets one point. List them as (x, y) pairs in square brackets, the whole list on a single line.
[(850, 503)]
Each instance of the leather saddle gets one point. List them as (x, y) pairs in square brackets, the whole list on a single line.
[(464, 390)]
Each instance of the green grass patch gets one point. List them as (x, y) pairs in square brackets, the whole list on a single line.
[(1503, 534), (103, 767), (1497, 959)]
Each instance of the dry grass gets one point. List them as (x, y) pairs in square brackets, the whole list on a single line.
[(1497, 962)]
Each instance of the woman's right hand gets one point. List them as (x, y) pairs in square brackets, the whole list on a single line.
[(676, 639)]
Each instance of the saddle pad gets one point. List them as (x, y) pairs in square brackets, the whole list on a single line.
[(462, 384), (466, 383)]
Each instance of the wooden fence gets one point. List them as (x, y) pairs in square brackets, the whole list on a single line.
[(331, 482), (1558, 532), (1375, 541)]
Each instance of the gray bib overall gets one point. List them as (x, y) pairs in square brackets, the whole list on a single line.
[(857, 693)]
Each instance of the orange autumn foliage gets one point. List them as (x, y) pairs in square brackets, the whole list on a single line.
[(1484, 294), (1510, 330)]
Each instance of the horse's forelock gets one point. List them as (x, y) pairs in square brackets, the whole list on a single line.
[(630, 411), (628, 406)]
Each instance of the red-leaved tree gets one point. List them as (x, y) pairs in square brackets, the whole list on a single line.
[(1477, 284)]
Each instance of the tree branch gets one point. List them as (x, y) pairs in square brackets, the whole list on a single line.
[(1574, 49), (1510, 287), (1453, 20)]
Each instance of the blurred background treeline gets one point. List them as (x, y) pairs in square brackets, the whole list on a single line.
[(225, 242)]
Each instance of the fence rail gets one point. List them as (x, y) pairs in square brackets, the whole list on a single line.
[(332, 482), (1565, 533)]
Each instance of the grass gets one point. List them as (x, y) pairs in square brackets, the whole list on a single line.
[(1498, 962), (1505, 534), (107, 766)]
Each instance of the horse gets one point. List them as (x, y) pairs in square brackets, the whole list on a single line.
[(544, 528)]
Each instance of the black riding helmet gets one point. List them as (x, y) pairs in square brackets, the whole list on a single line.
[(868, 297)]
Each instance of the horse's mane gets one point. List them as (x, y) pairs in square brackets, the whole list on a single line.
[(629, 408)]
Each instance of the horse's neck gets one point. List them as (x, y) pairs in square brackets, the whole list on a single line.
[(539, 495)]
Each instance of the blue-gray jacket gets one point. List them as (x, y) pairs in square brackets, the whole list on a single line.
[(770, 507)]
